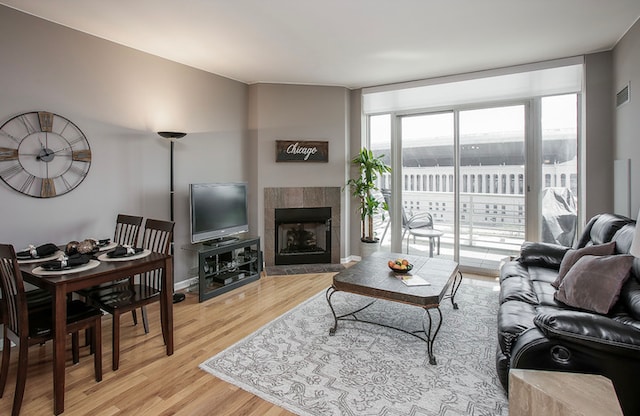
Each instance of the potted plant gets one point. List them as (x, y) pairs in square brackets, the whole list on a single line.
[(363, 187)]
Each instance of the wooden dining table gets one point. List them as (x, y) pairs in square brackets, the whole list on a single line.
[(61, 285)]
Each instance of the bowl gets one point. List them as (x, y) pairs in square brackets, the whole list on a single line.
[(407, 270)]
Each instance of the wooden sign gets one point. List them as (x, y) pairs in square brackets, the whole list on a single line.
[(302, 151)]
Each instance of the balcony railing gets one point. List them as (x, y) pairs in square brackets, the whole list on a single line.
[(492, 226)]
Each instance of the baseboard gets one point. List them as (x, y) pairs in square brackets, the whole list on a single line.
[(350, 259), (185, 284)]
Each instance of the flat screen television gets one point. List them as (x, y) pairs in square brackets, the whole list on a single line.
[(218, 211)]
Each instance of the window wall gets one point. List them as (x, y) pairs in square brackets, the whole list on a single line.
[(473, 171)]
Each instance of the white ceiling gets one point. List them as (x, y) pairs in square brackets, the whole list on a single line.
[(351, 43)]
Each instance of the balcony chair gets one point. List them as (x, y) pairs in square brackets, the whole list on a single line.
[(27, 326), (139, 291), (418, 225), (421, 225)]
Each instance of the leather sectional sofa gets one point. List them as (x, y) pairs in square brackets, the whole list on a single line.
[(590, 323)]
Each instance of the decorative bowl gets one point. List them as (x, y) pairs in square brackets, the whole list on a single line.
[(397, 268)]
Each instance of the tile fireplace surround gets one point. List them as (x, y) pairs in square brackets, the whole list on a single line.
[(303, 197)]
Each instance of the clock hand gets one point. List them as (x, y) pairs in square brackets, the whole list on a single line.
[(53, 152), (30, 154)]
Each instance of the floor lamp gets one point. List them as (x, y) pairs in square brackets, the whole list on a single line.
[(172, 136)]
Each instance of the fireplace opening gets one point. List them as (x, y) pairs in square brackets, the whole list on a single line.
[(303, 235)]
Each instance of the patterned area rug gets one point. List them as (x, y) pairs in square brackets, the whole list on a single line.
[(370, 370)]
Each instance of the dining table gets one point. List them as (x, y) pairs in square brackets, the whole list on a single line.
[(60, 285)]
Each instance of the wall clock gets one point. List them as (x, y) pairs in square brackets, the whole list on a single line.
[(43, 154)]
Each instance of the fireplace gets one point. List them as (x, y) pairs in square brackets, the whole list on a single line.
[(303, 235), (298, 198)]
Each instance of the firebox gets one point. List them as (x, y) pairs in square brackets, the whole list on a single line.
[(303, 235)]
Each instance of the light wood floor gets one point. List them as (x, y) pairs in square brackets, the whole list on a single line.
[(149, 382)]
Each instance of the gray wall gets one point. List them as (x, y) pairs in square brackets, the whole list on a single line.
[(298, 112), (597, 149), (119, 98), (626, 64)]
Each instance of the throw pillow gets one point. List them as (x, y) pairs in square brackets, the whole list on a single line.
[(594, 282), (572, 256)]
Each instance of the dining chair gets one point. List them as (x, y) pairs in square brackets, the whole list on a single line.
[(31, 326), (126, 232), (139, 291), (127, 229)]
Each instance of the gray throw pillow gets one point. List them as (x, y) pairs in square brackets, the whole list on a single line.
[(594, 282), (572, 256)]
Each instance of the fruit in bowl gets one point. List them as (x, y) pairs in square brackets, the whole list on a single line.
[(400, 265)]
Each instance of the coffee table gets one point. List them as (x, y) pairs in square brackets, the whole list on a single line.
[(371, 277)]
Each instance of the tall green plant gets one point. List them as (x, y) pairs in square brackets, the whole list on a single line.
[(369, 167)]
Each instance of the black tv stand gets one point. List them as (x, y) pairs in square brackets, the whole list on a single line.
[(223, 266), (220, 241)]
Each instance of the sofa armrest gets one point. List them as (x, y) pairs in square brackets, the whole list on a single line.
[(542, 254), (589, 329)]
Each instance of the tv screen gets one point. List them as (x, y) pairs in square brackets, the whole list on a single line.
[(218, 210)]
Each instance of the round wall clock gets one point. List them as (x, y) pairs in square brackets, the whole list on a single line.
[(43, 154)]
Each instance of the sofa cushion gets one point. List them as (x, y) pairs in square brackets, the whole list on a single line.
[(542, 254), (573, 256), (630, 298), (546, 295), (543, 275), (513, 318), (513, 268), (594, 282), (624, 238), (589, 329), (605, 227), (517, 288)]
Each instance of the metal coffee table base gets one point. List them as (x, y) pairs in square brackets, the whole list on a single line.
[(429, 329)]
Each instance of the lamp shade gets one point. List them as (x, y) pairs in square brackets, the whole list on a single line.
[(635, 245), (171, 134)]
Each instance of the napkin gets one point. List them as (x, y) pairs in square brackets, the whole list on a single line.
[(66, 262), (105, 242), (34, 252), (124, 251)]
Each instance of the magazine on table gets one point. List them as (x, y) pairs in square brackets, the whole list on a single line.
[(412, 280)]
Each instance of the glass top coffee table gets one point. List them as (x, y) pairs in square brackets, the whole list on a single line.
[(372, 277)]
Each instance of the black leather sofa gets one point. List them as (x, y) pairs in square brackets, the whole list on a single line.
[(537, 331)]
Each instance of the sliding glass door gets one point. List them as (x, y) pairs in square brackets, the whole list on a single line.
[(559, 169), (473, 183), (492, 184), (428, 184)]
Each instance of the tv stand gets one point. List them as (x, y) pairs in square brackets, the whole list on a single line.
[(227, 265), (221, 241)]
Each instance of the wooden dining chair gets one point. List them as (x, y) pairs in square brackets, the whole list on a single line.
[(126, 232), (127, 229), (140, 291), (27, 327)]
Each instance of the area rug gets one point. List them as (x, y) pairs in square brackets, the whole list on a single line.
[(365, 369)]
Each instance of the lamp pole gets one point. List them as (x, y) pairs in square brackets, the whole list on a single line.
[(172, 136)]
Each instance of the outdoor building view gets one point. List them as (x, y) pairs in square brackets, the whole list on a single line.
[(492, 184)]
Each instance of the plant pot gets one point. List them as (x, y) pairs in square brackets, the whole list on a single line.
[(368, 247)]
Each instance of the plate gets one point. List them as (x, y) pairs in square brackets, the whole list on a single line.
[(41, 259), (109, 246), (39, 271), (142, 254)]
